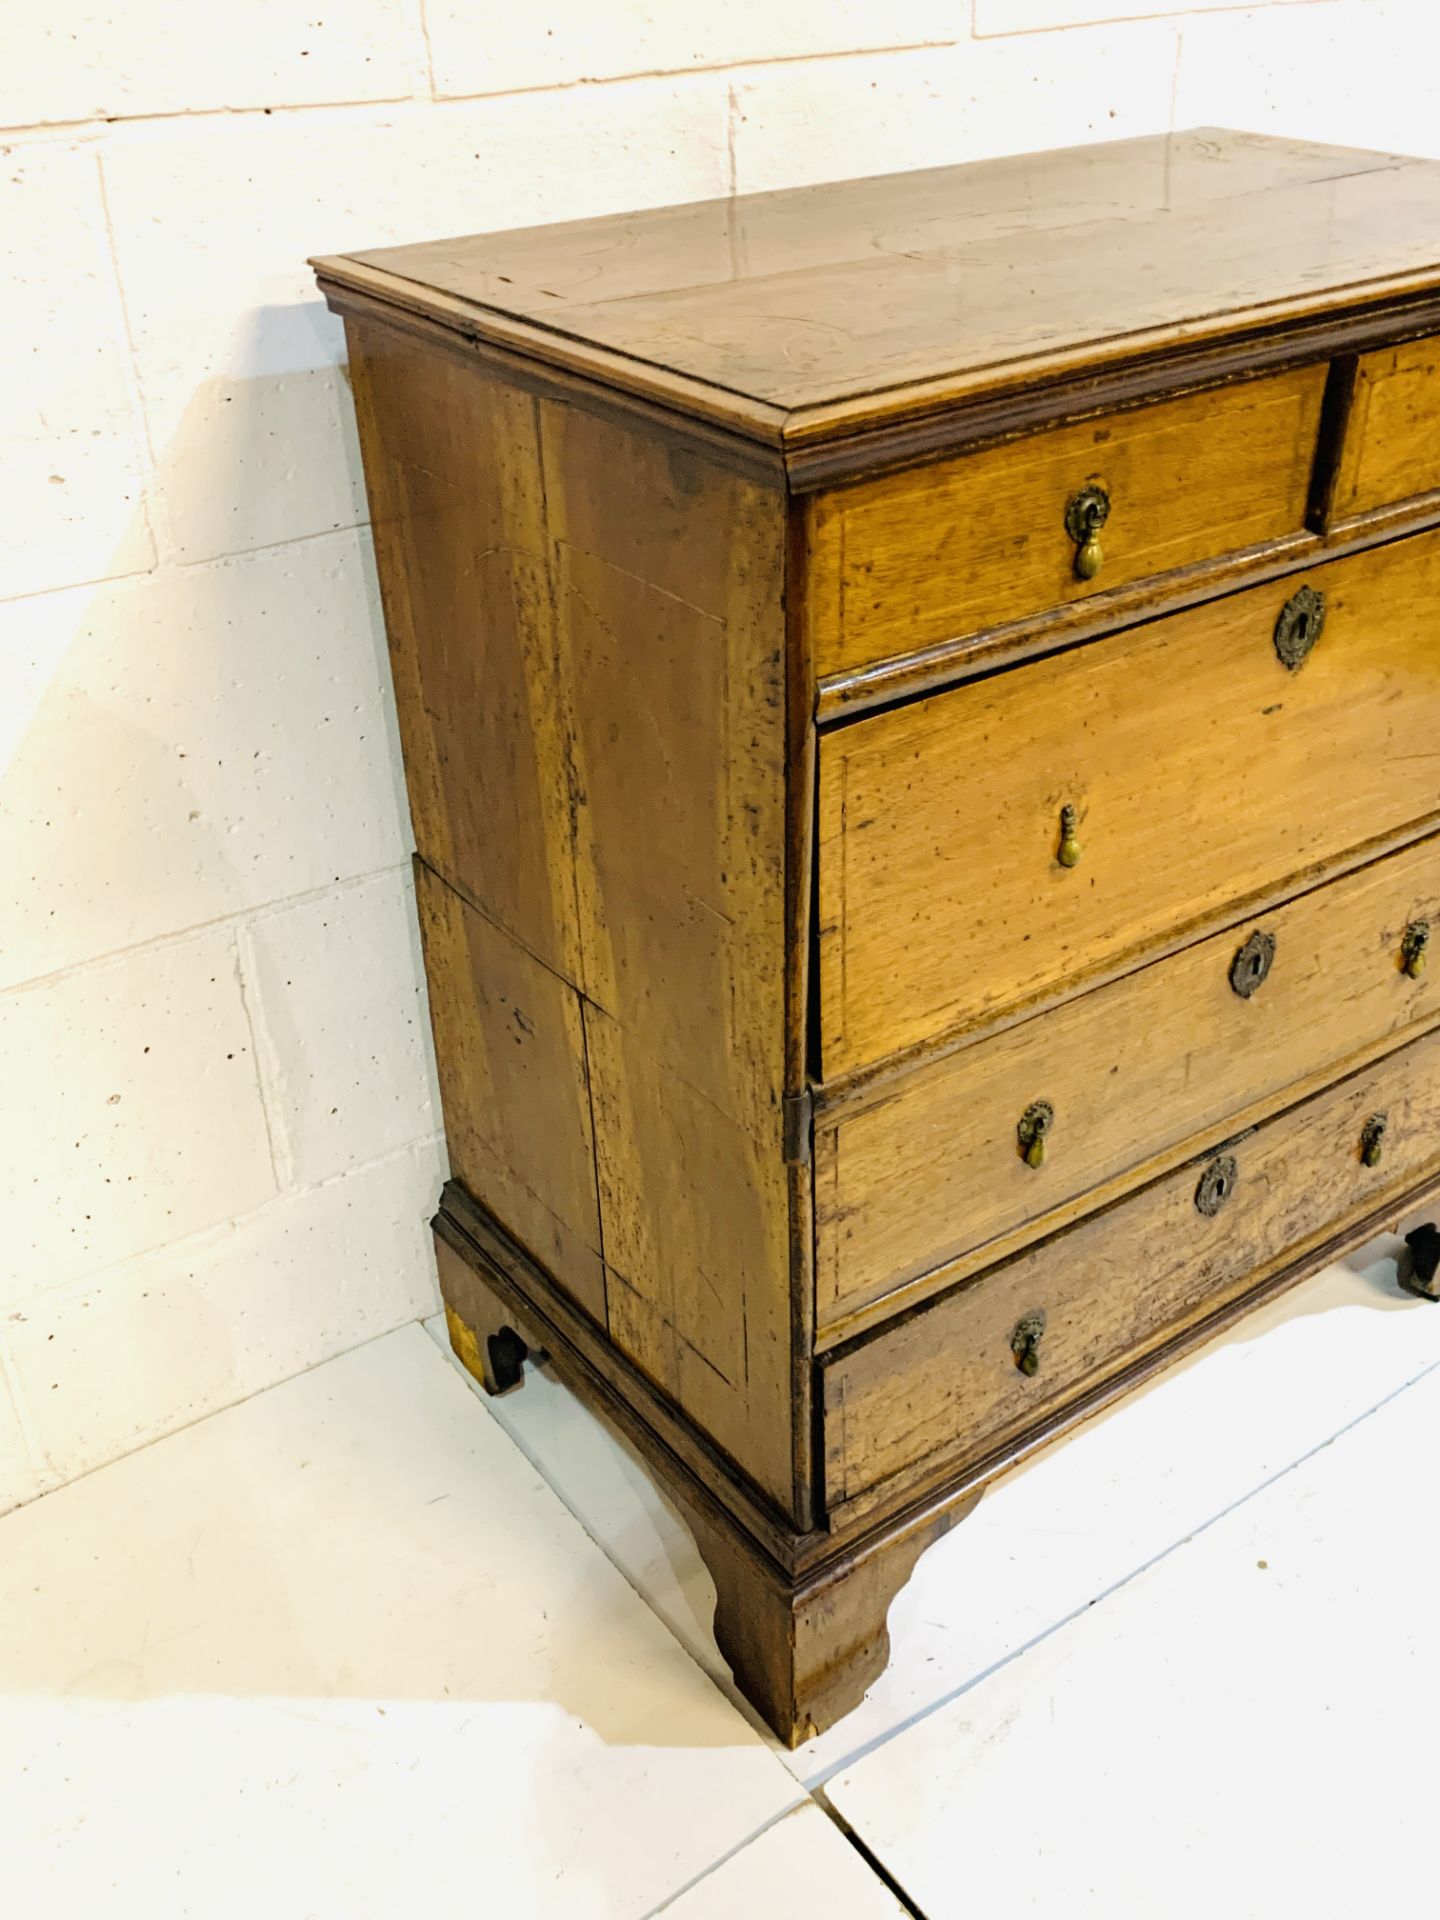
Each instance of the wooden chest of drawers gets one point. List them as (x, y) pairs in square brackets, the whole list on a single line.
[(921, 707)]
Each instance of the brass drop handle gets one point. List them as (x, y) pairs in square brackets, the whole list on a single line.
[(1069, 850), (1033, 1130), (1085, 514), (1414, 948), (1372, 1139), (1025, 1342)]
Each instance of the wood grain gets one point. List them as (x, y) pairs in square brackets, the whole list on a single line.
[(804, 300), (913, 559), (943, 1385), (667, 579), (923, 1182), (510, 1052), (800, 1617), (1392, 443), (806, 1651), (673, 910), (1204, 773), (457, 511)]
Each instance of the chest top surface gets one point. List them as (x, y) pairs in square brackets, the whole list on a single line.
[(789, 308)]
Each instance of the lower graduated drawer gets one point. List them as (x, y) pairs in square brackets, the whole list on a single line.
[(932, 1181), (958, 1382)]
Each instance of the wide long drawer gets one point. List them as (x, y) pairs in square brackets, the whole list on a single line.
[(997, 843), (955, 1382), (990, 1141)]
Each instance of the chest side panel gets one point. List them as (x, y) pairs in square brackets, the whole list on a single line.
[(668, 583), (452, 467), (586, 627)]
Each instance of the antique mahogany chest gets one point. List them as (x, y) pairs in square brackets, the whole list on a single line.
[(921, 707)]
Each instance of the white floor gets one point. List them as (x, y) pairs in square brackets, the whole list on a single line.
[(342, 1651)]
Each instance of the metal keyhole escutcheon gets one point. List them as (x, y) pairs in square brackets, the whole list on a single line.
[(1251, 966), (1299, 626), (1217, 1183)]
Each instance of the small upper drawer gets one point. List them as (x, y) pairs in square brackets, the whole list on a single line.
[(1392, 440), (949, 1386), (910, 1192), (996, 844), (903, 562)]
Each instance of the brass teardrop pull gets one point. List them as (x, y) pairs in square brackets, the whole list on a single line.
[(1085, 514), (1299, 626), (1414, 948), (1217, 1183), (1032, 1131), (1025, 1342), (1372, 1139), (1069, 852)]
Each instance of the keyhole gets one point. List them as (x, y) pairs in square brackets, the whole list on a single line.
[(1302, 627), (1217, 1183)]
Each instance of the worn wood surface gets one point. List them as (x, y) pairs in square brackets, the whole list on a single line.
[(913, 559), (667, 585), (922, 1183), (587, 628), (944, 1385), (491, 1262), (806, 1651), (614, 618), (804, 300), (489, 1339), (1392, 439), (510, 1054), (1203, 772), (457, 507), (884, 683), (799, 1616)]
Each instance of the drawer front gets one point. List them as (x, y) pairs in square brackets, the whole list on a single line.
[(1392, 439), (945, 1389), (922, 1183), (904, 562), (1202, 771)]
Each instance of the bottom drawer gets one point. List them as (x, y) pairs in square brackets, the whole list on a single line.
[(957, 1380)]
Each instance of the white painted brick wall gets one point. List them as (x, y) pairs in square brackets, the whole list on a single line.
[(219, 1136)]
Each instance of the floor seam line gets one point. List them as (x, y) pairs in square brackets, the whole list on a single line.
[(699, 1879), (867, 1853)]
